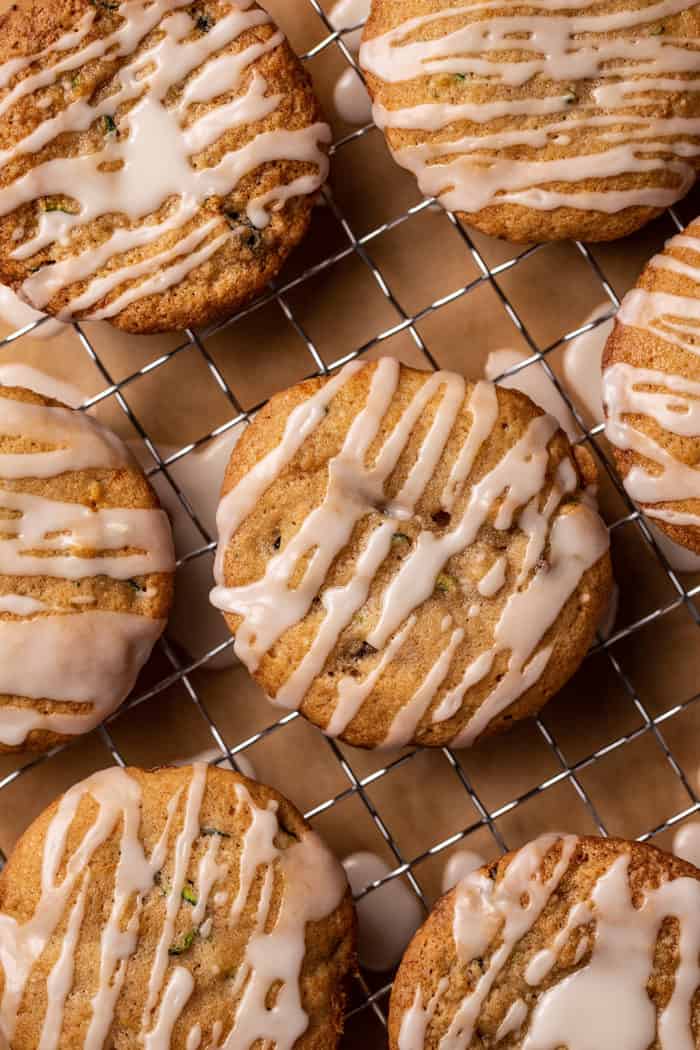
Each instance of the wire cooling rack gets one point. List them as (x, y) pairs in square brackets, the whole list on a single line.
[(370, 998)]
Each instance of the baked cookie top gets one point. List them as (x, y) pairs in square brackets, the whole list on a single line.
[(569, 942), (651, 389), (158, 160), (408, 557), (544, 120), (86, 571), (174, 909)]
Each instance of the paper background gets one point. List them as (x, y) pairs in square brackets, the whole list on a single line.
[(653, 671)]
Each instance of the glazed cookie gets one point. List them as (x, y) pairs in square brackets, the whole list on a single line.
[(175, 909), (158, 160), (542, 123), (408, 558), (569, 942), (651, 389), (86, 571)]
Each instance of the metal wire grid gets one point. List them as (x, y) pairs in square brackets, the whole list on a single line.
[(406, 322)]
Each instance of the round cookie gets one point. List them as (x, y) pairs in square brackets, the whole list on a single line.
[(543, 123), (651, 389), (408, 558), (86, 571), (158, 160), (568, 942), (178, 908)]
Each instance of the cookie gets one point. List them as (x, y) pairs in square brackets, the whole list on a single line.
[(543, 123), (569, 942), (406, 557), (158, 160), (651, 389), (86, 571), (178, 908)]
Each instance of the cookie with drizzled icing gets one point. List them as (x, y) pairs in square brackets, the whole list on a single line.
[(158, 160), (651, 389), (569, 942), (540, 121), (175, 909), (86, 571), (409, 558)]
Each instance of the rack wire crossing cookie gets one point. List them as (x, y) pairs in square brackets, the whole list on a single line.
[(158, 160), (406, 557), (651, 389), (86, 571), (176, 909), (540, 121), (581, 943)]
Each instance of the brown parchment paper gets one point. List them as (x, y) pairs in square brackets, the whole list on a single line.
[(650, 672)]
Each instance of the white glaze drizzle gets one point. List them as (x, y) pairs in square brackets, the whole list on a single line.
[(470, 170), (59, 654), (119, 177), (490, 584), (513, 1021), (675, 407), (268, 606), (107, 529), (604, 1002), (313, 885), (17, 374), (118, 799), (21, 605), (415, 1021), (90, 658)]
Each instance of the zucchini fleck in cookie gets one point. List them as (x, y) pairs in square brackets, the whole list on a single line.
[(651, 389), (159, 159), (568, 942), (540, 121), (173, 909), (406, 557), (86, 571)]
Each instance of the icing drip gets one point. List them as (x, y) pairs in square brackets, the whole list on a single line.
[(387, 917), (621, 49), (582, 365), (155, 135), (686, 843), (674, 404), (89, 658), (269, 606), (533, 381), (350, 96), (18, 315), (414, 1023), (460, 864), (313, 886), (605, 1002)]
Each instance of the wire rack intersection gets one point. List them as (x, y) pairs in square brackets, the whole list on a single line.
[(373, 998)]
